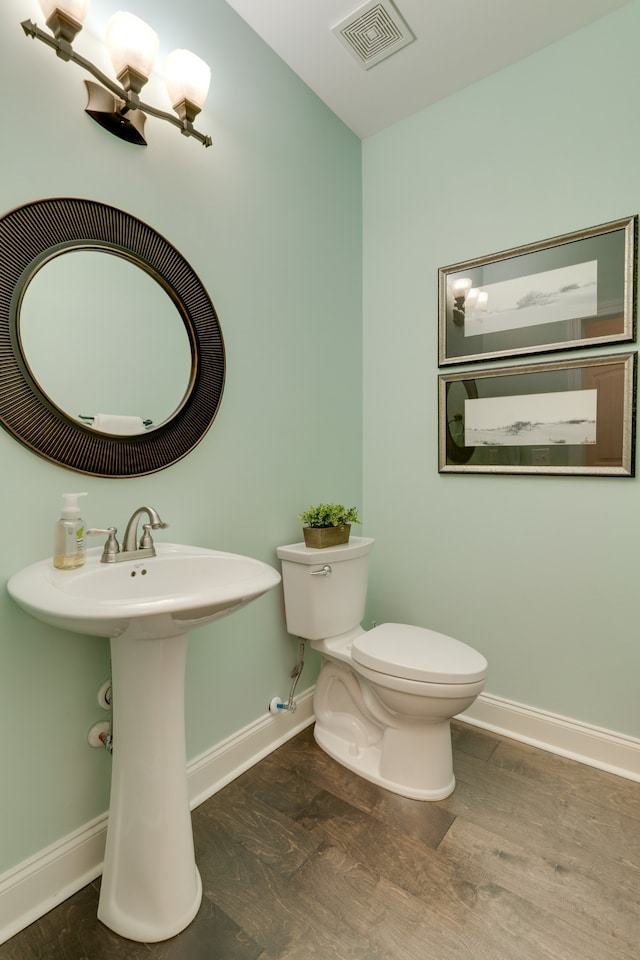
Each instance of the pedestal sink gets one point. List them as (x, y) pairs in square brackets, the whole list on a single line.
[(151, 888)]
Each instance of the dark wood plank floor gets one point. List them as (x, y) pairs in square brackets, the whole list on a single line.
[(533, 857)]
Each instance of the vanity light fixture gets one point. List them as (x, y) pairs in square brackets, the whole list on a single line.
[(460, 288), (132, 47), (467, 299)]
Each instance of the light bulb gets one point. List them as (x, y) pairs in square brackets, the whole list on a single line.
[(188, 78), (132, 46), (483, 300), (472, 297), (76, 9), (460, 287), (64, 17)]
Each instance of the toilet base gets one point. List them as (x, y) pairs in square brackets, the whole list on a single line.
[(410, 755), (366, 761)]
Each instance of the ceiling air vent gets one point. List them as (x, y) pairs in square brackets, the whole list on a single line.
[(373, 32)]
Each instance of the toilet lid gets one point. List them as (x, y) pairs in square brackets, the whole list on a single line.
[(414, 653)]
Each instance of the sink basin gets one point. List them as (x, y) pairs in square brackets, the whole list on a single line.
[(151, 888), (180, 588)]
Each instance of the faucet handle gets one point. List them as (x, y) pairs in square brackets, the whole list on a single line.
[(146, 540), (111, 547)]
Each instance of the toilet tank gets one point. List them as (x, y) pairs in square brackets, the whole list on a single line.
[(321, 604)]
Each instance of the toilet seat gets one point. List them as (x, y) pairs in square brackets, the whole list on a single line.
[(416, 653)]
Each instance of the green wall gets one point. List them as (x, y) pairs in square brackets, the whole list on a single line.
[(539, 573), (270, 219)]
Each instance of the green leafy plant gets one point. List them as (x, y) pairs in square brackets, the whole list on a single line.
[(329, 515)]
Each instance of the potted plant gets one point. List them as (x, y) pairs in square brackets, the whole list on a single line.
[(328, 524)]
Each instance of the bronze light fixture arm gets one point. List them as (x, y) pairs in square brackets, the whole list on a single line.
[(184, 126), (128, 98), (65, 51)]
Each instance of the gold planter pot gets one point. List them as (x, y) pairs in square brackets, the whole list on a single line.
[(319, 537)]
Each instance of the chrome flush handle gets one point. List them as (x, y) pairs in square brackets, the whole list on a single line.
[(326, 570)]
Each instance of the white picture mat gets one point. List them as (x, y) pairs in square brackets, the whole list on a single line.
[(566, 293), (538, 419)]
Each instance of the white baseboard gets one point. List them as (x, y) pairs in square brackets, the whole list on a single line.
[(38, 884), (211, 771), (594, 746), (35, 886)]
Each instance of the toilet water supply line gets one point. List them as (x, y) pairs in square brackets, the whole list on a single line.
[(101, 733), (276, 704)]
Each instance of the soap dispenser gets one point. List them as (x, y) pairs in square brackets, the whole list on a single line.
[(68, 538)]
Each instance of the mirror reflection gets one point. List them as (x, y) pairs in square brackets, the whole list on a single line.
[(105, 342)]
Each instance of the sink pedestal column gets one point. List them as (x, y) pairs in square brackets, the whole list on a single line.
[(151, 887)]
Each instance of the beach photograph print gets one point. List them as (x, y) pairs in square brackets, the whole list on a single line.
[(576, 290), (538, 419), (553, 296), (574, 417)]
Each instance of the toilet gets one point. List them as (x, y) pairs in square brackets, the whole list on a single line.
[(385, 697)]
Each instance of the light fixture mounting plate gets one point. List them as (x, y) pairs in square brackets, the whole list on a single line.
[(105, 108)]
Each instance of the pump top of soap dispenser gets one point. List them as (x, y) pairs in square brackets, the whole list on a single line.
[(70, 507)]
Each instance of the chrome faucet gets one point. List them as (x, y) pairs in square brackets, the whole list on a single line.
[(131, 550)]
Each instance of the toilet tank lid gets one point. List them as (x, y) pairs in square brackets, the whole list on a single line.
[(415, 653), (300, 553)]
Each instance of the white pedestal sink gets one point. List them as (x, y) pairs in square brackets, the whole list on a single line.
[(151, 888)]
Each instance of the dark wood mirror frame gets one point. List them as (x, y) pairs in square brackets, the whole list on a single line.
[(32, 234)]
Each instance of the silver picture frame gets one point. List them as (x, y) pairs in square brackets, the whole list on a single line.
[(576, 290), (573, 417)]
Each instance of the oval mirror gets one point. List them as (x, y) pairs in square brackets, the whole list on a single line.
[(111, 354)]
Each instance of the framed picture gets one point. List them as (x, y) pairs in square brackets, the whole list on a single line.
[(575, 417), (577, 290)]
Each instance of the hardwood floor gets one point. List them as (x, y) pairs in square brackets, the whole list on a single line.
[(533, 857)]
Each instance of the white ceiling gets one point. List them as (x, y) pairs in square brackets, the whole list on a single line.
[(457, 43)]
